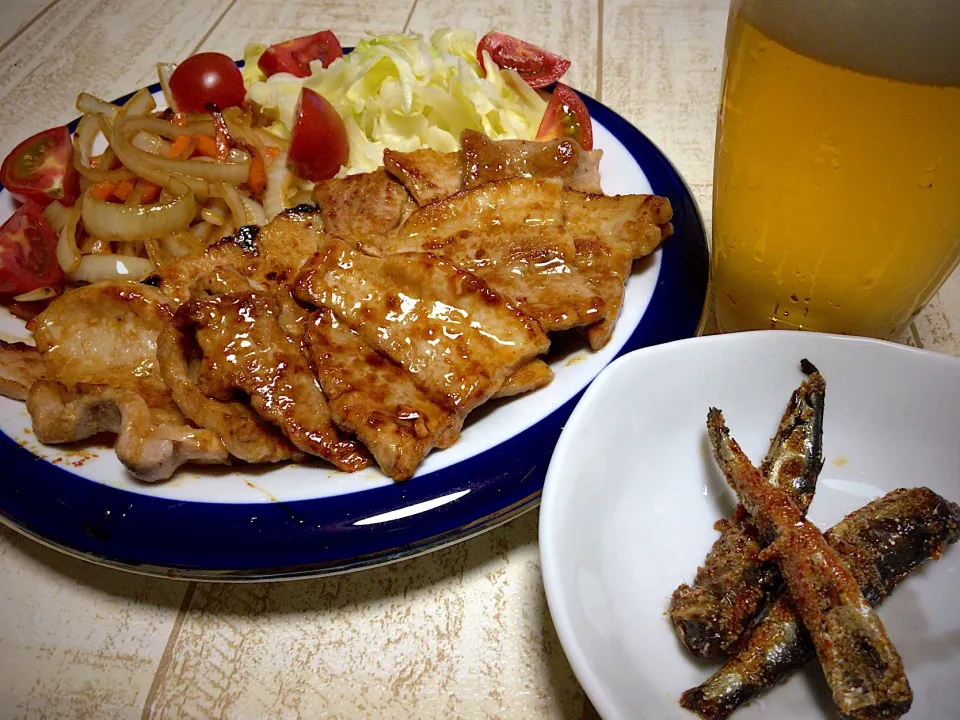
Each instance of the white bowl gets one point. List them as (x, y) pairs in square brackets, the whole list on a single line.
[(632, 494)]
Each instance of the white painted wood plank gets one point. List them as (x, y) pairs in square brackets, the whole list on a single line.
[(270, 22), (108, 48), (15, 14)]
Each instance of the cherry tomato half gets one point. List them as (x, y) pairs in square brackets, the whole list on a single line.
[(566, 117), (28, 252), (294, 56), (318, 142), (207, 78), (41, 169), (534, 64)]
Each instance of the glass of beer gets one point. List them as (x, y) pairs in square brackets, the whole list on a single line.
[(837, 178)]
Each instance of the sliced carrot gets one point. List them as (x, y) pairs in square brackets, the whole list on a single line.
[(206, 145), (103, 190), (271, 151), (257, 180), (182, 146), (179, 119), (149, 192), (124, 188)]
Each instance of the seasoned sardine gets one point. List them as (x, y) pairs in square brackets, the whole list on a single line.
[(734, 585), (862, 667), (881, 543)]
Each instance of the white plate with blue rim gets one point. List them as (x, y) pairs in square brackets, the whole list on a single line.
[(251, 523), (633, 492)]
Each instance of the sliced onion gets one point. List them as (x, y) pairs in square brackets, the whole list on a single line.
[(302, 197), (41, 293), (140, 162), (93, 268), (142, 103), (232, 197), (202, 231), (224, 172), (279, 179), (253, 210), (214, 214), (68, 254), (164, 71), (82, 149), (137, 222), (181, 243), (153, 251), (90, 105), (57, 215), (150, 143)]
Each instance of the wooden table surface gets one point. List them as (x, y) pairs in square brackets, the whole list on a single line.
[(460, 633)]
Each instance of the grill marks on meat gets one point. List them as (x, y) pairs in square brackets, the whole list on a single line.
[(99, 350), (360, 205), (427, 175), (458, 338), (21, 365), (269, 259), (609, 233), (244, 348), (863, 669), (484, 160), (511, 234), (881, 543), (371, 396)]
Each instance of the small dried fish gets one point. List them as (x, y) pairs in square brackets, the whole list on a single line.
[(862, 667), (734, 585), (881, 543)]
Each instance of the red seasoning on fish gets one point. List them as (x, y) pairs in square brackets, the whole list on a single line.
[(861, 665)]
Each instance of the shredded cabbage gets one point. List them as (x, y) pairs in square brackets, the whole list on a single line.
[(404, 92)]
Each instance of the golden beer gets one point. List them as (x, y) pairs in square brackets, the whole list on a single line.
[(837, 177)]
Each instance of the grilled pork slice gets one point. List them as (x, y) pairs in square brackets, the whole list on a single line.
[(458, 338), (430, 175), (269, 257), (99, 348), (427, 175), (21, 365), (360, 205), (532, 376), (373, 397), (511, 234), (610, 232), (244, 348), (244, 434), (151, 443), (484, 160)]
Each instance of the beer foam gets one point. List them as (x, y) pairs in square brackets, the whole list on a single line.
[(915, 41)]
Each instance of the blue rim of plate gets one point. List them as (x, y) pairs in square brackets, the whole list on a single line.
[(306, 538)]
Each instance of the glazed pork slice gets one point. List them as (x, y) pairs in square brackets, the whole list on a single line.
[(377, 399), (511, 234), (427, 174), (269, 256), (532, 376), (21, 365), (245, 434), (484, 160), (610, 232), (458, 338), (99, 349), (360, 205), (152, 443), (244, 348)]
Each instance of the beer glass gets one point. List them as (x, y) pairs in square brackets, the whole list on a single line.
[(837, 177)]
